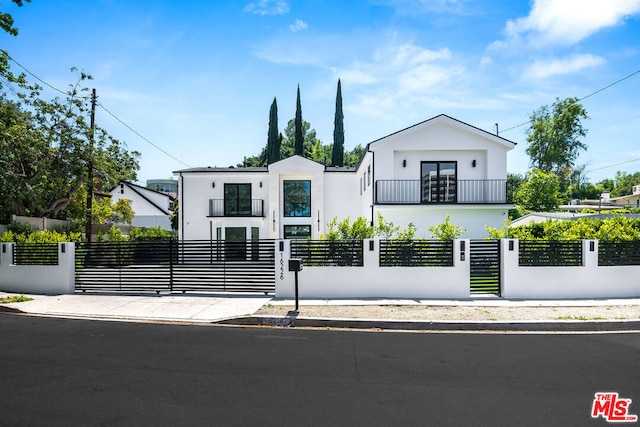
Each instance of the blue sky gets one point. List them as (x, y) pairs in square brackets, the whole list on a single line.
[(197, 78)]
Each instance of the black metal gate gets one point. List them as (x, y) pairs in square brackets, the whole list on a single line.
[(173, 265), (485, 267)]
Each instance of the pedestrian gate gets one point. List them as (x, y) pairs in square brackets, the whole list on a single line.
[(485, 267)]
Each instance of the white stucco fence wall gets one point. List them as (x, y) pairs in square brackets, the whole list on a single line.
[(373, 281), (586, 281), (38, 279)]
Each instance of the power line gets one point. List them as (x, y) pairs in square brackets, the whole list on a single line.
[(143, 138), (581, 99), (614, 165), (99, 104), (33, 75)]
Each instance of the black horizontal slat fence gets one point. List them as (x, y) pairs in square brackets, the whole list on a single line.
[(35, 254), (550, 253), (329, 253), (619, 253), (416, 253), (172, 265)]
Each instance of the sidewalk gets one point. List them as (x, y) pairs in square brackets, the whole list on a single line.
[(482, 313)]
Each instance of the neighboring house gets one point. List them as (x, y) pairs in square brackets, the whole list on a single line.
[(420, 174), (152, 208), (538, 217), (606, 202), (168, 186), (632, 200)]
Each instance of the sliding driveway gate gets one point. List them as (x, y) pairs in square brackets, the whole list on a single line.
[(173, 266)]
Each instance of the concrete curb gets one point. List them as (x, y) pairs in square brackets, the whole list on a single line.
[(413, 325)]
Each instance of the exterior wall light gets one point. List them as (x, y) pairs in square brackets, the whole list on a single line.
[(473, 163), (404, 163)]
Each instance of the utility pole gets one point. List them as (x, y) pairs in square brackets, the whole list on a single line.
[(89, 220)]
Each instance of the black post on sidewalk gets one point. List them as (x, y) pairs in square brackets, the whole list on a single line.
[(295, 265), (297, 308)]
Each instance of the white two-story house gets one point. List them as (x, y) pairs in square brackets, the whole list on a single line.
[(417, 175)]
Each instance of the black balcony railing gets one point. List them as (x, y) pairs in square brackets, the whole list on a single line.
[(217, 208), (471, 191)]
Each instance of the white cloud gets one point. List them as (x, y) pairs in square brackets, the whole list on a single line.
[(298, 25), (567, 22), (572, 64), (486, 61), (400, 78), (267, 7)]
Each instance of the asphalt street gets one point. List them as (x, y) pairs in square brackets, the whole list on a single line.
[(63, 372)]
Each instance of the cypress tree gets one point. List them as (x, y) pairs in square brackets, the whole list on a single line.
[(337, 155), (273, 141), (299, 137)]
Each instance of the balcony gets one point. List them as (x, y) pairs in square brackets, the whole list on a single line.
[(462, 191), (217, 209)]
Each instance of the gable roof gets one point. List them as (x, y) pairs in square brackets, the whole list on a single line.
[(230, 169), (451, 121), (139, 190)]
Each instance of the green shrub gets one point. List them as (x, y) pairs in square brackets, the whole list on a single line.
[(447, 230), (615, 229), (154, 233)]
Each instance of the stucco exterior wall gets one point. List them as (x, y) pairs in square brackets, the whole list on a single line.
[(373, 281), (197, 188), (439, 142), (38, 279), (473, 221), (586, 281), (342, 189)]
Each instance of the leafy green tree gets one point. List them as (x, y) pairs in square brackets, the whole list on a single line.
[(298, 135), (105, 211), (337, 156), (578, 186), (539, 192), (352, 158), (514, 181), (624, 183), (6, 20), (554, 135), (319, 152), (45, 148), (309, 137)]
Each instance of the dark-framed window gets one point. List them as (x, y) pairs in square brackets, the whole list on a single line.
[(297, 198), (439, 182), (297, 231), (237, 199)]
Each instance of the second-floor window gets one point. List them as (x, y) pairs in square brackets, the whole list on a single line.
[(237, 199), (438, 182), (297, 198)]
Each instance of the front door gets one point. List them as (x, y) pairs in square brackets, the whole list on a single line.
[(235, 243)]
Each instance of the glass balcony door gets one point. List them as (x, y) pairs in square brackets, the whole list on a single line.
[(438, 182)]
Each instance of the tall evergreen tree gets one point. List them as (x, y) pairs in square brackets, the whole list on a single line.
[(299, 136), (273, 139), (337, 155)]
